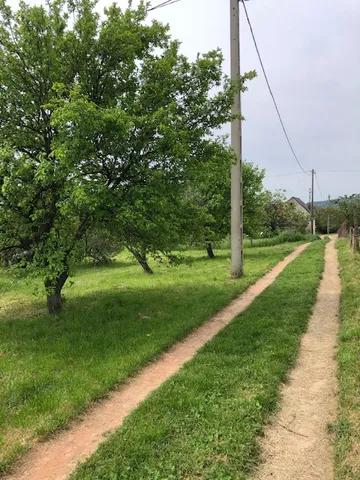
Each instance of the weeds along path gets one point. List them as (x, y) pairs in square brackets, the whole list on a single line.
[(298, 445), (57, 458)]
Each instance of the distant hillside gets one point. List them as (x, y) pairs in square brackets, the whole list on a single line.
[(324, 203)]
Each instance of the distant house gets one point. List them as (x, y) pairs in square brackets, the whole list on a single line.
[(301, 207)]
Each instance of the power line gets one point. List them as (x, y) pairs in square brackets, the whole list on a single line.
[(163, 4), (270, 90), (321, 171), (317, 183), (338, 171), (285, 175), (296, 186), (171, 2)]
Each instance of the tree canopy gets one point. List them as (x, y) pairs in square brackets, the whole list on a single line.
[(211, 190), (93, 109), (348, 205), (329, 212)]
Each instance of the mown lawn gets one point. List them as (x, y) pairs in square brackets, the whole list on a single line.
[(116, 319), (204, 422), (347, 457)]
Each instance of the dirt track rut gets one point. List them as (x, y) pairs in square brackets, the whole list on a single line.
[(298, 445)]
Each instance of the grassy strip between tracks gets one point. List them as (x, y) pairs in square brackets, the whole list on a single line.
[(116, 319), (347, 449), (204, 422)]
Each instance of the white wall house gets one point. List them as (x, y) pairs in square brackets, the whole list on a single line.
[(303, 208)]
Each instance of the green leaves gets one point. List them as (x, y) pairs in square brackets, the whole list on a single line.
[(102, 120), (211, 189), (348, 204)]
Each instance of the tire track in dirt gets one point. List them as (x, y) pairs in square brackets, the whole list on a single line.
[(298, 445)]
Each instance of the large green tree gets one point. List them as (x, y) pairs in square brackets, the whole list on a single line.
[(212, 191), (348, 205), (255, 198), (158, 219), (91, 108)]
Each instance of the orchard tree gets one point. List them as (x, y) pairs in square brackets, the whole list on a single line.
[(212, 191), (158, 219), (348, 205), (90, 109), (209, 189), (332, 212), (255, 198)]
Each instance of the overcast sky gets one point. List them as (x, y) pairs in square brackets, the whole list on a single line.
[(310, 51)]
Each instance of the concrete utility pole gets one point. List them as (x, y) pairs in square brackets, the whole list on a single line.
[(312, 203), (237, 254), (328, 219)]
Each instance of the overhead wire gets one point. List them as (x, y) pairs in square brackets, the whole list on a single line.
[(339, 171), (270, 90), (321, 171), (284, 175), (317, 183), (163, 4), (171, 2), (296, 186)]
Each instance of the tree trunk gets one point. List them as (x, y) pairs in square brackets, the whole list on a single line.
[(141, 258), (54, 303), (210, 251), (251, 242), (53, 288)]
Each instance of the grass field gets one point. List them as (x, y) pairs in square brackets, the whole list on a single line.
[(347, 458), (204, 422), (285, 237), (116, 319)]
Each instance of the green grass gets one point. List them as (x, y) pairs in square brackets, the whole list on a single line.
[(347, 450), (285, 237), (116, 319), (204, 422), (282, 238)]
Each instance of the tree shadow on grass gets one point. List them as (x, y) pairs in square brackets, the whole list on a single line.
[(113, 264), (127, 310), (54, 367), (225, 255)]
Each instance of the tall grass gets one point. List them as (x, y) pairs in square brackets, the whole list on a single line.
[(347, 428)]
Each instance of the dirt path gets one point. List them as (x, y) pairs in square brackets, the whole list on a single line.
[(57, 458), (298, 446)]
